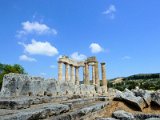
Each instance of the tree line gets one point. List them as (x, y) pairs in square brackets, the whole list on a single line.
[(143, 81)]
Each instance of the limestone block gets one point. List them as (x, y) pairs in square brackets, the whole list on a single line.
[(123, 115), (67, 88)]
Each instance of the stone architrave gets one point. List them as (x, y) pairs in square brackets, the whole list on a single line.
[(93, 74), (60, 69), (66, 72), (96, 74), (103, 69), (77, 75)]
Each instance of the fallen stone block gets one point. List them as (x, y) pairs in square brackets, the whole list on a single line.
[(130, 98), (144, 94), (143, 116), (122, 115), (155, 98)]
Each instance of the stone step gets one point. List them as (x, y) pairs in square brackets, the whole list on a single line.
[(45, 110), (83, 101), (26, 102), (79, 113), (35, 112)]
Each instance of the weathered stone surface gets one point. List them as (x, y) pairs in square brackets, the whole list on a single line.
[(80, 101), (143, 116), (155, 97), (106, 119), (93, 108), (123, 115), (17, 103), (87, 90), (152, 119), (80, 113), (25, 102), (144, 94), (130, 98), (40, 112), (23, 85)]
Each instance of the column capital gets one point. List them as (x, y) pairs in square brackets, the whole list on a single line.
[(60, 62), (77, 67), (103, 63), (66, 63)]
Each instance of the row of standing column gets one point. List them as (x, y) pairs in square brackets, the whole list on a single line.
[(86, 80), (74, 75), (95, 74)]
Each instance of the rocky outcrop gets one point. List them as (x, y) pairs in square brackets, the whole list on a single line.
[(130, 98), (122, 115)]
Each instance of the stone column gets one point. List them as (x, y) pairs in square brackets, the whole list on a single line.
[(93, 74), (77, 76), (66, 71), (84, 79), (86, 74), (72, 74), (60, 75), (103, 69), (96, 74)]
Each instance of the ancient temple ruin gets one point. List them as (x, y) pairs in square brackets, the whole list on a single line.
[(24, 97), (74, 71)]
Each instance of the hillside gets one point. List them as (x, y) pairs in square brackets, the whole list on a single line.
[(143, 81)]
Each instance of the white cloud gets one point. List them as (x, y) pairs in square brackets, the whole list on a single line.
[(40, 48), (126, 58), (26, 58), (77, 56), (35, 27), (110, 11), (95, 48), (52, 66)]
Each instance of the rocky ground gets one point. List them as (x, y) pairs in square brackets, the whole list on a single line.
[(137, 104), (128, 105)]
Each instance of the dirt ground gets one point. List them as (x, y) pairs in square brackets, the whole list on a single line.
[(118, 105)]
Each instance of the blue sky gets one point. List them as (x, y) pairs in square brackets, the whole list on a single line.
[(124, 34)]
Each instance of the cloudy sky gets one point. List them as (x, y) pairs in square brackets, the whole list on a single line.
[(124, 34)]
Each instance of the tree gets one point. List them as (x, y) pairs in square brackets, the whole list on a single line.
[(5, 69)]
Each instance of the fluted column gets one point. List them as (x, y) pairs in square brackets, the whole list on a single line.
[(96, 74), (103, 69), (66, 71), (60, 65), (86, 74), (72, 74), (93, 74), (84, 79), (77, 76)]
